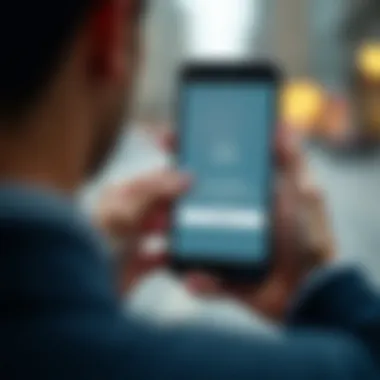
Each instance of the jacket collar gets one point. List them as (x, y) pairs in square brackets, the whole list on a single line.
[(38, 207), (49, 253)]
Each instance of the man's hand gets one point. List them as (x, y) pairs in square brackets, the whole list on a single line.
[(303, 241), (131, 211), (302, 238)]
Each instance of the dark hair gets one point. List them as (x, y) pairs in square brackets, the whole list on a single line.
[(33, 38)]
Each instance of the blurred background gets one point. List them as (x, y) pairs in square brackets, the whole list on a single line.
[(330, 54)]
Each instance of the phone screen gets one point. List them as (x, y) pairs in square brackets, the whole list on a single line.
[(226, 138)]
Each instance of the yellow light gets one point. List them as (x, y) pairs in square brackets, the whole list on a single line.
[(302, 103), (368, 60)]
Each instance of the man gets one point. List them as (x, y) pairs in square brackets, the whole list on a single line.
[(65, 70)]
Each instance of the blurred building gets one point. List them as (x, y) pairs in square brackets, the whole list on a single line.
[(163, 52), (187, 29), (306, 37), (220, 29), (329, 50), (288, 33), (362, 22), (309, 37)]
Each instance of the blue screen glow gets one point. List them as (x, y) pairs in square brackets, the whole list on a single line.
[(226, 133)]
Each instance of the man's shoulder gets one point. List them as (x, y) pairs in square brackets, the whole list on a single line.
[(106, 345), (90, 344)]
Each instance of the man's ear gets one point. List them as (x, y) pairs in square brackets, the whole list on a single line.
[(109, 30)]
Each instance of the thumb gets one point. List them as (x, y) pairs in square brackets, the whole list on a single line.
[(151, 190), (133, 201), (139, 265), (201, 284), (318, 240)]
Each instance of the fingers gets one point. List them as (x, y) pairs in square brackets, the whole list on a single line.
[(287, 150), (287, 193), (317, 241), (167, 140), (143, 203), (206, 285), (160, 184), (297, 203), (285, 227), (157, 189), (289, 164), (138, 266), (158, 221), (148, 262), (203, 285), (286, 147)]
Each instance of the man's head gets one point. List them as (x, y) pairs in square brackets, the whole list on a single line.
[(66, 74)]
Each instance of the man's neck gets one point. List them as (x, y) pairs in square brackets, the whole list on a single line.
[(47, 151)]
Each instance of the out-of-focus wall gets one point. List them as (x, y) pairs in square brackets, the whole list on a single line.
[(306, 37), (303, 36), (170, 40), (163, 52), (220, 29), (286, 34), (329, 50)]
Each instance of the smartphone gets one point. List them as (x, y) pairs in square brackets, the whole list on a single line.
[(227, 118)]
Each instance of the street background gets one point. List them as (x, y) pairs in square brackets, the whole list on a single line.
[(308, 38)]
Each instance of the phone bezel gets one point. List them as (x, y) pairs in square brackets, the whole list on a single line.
[(256, 71)]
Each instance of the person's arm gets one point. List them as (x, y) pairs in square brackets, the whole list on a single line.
[(334, 333), (340, 300), (144, 353), (189, 354)]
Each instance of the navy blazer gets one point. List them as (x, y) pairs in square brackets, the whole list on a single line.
[(60, 317)]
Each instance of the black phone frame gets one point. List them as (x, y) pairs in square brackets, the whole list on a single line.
[(208, 72)]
